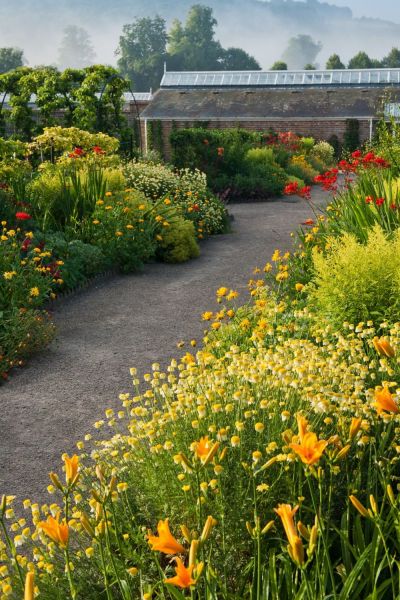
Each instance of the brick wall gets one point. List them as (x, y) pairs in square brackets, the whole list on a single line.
[(320, 130)]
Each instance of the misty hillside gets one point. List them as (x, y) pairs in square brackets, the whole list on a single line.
[(260, 27)]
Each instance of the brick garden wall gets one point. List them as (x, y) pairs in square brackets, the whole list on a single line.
[(320, 130)]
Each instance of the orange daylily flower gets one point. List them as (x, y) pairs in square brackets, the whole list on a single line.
[(58, 532), (183, 577), (310, 449), (383, 347), (165, 542), (71, 467), (384, 401), (286, 513), (203, 447)]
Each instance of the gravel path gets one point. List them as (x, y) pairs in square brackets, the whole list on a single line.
[(122, 322)]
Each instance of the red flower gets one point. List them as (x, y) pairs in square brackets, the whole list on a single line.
[(291, 188), (393, 206), (195, 207), (308, 222), (305, 192), (25, 244), (77, 152), (98, 150), (22, 216), (356, 154), (369, 199), (206, 142), (379, 201), (220, 151)]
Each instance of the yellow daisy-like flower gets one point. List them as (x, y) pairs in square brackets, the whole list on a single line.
[(34, 292)]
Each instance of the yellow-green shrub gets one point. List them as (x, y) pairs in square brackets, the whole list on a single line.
[(179, 241), (358, 282)]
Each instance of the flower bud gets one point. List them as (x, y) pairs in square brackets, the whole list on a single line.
[(208, 526), (360, 507), (194, 546), (267, 527), (55, 480)]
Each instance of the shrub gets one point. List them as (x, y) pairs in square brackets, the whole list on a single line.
[(178, 242), (351, 139), (260, 155), (325, 152), (155, 180), (123, 226), (307, 144), (301, 168), (357, 282), (58, 140)]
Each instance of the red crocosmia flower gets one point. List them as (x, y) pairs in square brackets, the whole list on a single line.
[(195, 207), (98, 150), (379, 201), (22, 216), (369, 199), (206, 142), (356, 154), (220, 151), (291, 188), (308, 222), (393, 206), (305, 192)]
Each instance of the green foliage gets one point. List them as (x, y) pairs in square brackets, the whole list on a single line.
[(279, 65), (236, 59), (351, 140), (361, 60), (58, 140), (334, 62), (179, 242), (334, 141), (357, 282), (142, 52), (11, 58), (324, 151), (261, 155), (301, 49), (392, 60)]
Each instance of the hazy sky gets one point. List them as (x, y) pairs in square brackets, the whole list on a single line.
[(382, 9)]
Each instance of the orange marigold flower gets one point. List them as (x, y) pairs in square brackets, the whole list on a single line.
[(165, 542), (183, 577), (71, 467), (384, 401), (310, 449), (58, 532)]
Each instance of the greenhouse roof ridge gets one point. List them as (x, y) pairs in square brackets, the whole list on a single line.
[(337, 77)]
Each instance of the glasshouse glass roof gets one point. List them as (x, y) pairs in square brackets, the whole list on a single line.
[(172, 79)]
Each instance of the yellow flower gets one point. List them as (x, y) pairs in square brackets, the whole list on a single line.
[(165, 542), (118, 233), (34, 292), (310, 449), (206, 316), (354, 427), (183, 577), (299, 287), (9, 274), (221, 292), (108, 194)]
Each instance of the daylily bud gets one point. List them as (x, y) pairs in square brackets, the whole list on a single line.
[(249, 529), (187, 465), (360, 507), (96, 496), (29, 586), (267, 527), (208, 526), (302, 529), (186, 533), (211, 454), (296, 551), (343, 452), (199, 569), (3, 505), (223, 454), (194, 546), (355, 427), (390, 494), (99, 473), (87, 526), (373, 504), (55, 480), (113, 483)]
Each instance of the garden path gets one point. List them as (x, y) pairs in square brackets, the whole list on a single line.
[(118, 323)]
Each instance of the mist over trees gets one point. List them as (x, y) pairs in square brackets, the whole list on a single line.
[(76, 49), (190, 46), (301, 50), (11, 58)]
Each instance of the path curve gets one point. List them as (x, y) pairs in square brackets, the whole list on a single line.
[(125, 321)]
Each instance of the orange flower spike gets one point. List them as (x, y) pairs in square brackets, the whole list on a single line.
[(165, 542), (58, 532), (71, 468), (183, 577), (311, 448), (302, 425), (286, 513), (384, 401)]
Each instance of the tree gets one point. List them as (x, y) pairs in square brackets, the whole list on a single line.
[(360, 61), (309, 67), (76, 50), (236, 59), (142, 51), (192, 46), (279, 65), (392, 60), (11, 58), (334, 62), (301, 50)]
